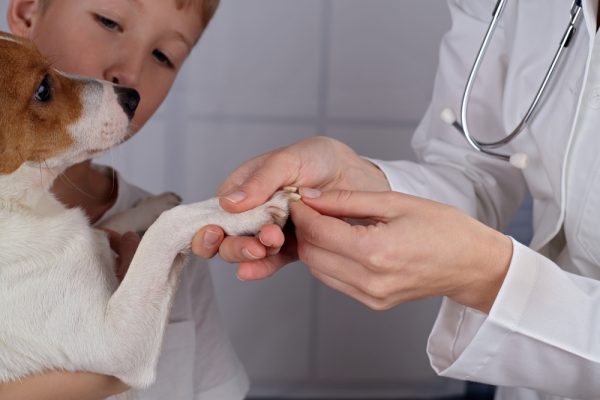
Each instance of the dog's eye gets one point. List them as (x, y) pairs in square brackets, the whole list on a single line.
[(43, 93)]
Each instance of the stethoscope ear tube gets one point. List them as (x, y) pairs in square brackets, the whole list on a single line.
[(519, 160)]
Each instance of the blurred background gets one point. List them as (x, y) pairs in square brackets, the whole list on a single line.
[(266, 74)]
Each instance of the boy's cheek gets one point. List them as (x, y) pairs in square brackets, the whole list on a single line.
[(152, 96)]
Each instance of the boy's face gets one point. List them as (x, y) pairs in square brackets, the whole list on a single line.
[(137, 43)]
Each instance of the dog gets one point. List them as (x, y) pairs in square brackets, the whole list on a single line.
[(61, 305)]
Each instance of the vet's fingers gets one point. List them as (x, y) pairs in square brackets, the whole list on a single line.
[(372, 288), (272, 237), (261, 269), (330, 233), (236, 249), (127, 247), (207, 240), (343, 269), (371, 302), (269, 173), (352, 204)]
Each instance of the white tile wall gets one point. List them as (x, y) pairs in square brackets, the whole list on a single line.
[(260, 58), (383, 348), (269, 323), (383, 55), (215, 148), (386, 142)]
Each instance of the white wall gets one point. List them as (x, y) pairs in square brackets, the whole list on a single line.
[(267, 73)]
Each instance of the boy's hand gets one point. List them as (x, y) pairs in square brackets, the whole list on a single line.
[(125, 246)]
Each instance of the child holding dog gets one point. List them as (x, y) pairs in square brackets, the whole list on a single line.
[(140, 44)]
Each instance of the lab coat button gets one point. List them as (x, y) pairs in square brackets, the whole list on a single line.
[(594, 99)]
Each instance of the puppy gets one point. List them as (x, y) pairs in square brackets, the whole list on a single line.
[(61, 306)]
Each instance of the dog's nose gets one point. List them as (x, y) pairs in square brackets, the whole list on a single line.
[(129, 99)]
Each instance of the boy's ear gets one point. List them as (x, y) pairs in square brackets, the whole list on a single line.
[(21, 16)]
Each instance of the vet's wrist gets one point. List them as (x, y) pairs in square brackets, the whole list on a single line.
[(488, 274)]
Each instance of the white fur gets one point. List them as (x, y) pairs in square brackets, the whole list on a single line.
[(61, 306)]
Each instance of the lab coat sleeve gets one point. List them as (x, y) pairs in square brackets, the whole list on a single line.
[(449, 170), (541, 333)]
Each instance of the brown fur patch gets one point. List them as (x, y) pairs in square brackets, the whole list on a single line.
[(31, 130)]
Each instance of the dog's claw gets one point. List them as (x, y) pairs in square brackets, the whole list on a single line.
[(295, 197), (277, 212)]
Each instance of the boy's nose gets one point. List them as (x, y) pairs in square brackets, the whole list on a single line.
[(126, 71), (129, 99)]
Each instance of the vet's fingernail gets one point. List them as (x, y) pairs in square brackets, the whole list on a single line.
[(264, 242), (235, 197), (240, 278), (248, 254), (310, 193), (211, 238)]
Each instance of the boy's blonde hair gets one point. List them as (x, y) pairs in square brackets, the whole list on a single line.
[(206, 8)]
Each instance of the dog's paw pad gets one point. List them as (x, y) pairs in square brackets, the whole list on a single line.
[(279, 216), (279, 205)]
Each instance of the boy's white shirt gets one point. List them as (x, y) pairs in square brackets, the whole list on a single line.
[(541, 339), (197, 360)]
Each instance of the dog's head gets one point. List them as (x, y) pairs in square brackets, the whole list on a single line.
[(51, 118)]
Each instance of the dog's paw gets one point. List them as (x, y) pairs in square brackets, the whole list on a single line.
[(279, 205), (275, 211)]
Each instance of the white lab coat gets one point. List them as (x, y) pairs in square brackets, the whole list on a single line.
[(543, 332), (197, 361)]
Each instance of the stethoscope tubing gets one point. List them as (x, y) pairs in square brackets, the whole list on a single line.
[(463, 126)]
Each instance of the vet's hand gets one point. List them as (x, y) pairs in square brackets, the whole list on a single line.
[(415, 249), (319, 162), (125, 246)]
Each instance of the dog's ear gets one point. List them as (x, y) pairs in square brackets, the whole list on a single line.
[(10, 157)]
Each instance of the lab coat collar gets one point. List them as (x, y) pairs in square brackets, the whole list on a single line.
[(590, 12)]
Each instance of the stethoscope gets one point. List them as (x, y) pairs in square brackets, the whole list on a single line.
[(518, 160)]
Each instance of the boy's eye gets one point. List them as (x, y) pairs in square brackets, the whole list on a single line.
[(162, 58), (108, 23), (43, 93)]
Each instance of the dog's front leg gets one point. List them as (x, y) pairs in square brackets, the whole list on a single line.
[(137, 312)]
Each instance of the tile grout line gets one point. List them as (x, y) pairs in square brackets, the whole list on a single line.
[(321, 129)]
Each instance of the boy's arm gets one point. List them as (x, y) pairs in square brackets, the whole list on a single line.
[(63, 386)]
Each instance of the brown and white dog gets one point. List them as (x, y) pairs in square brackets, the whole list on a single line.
[(61, 305)]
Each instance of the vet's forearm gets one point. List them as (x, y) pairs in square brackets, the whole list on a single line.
[(62, 386)]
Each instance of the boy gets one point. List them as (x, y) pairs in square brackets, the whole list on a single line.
[(140, 44)]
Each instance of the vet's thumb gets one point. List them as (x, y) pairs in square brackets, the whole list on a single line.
[(257, 187)]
